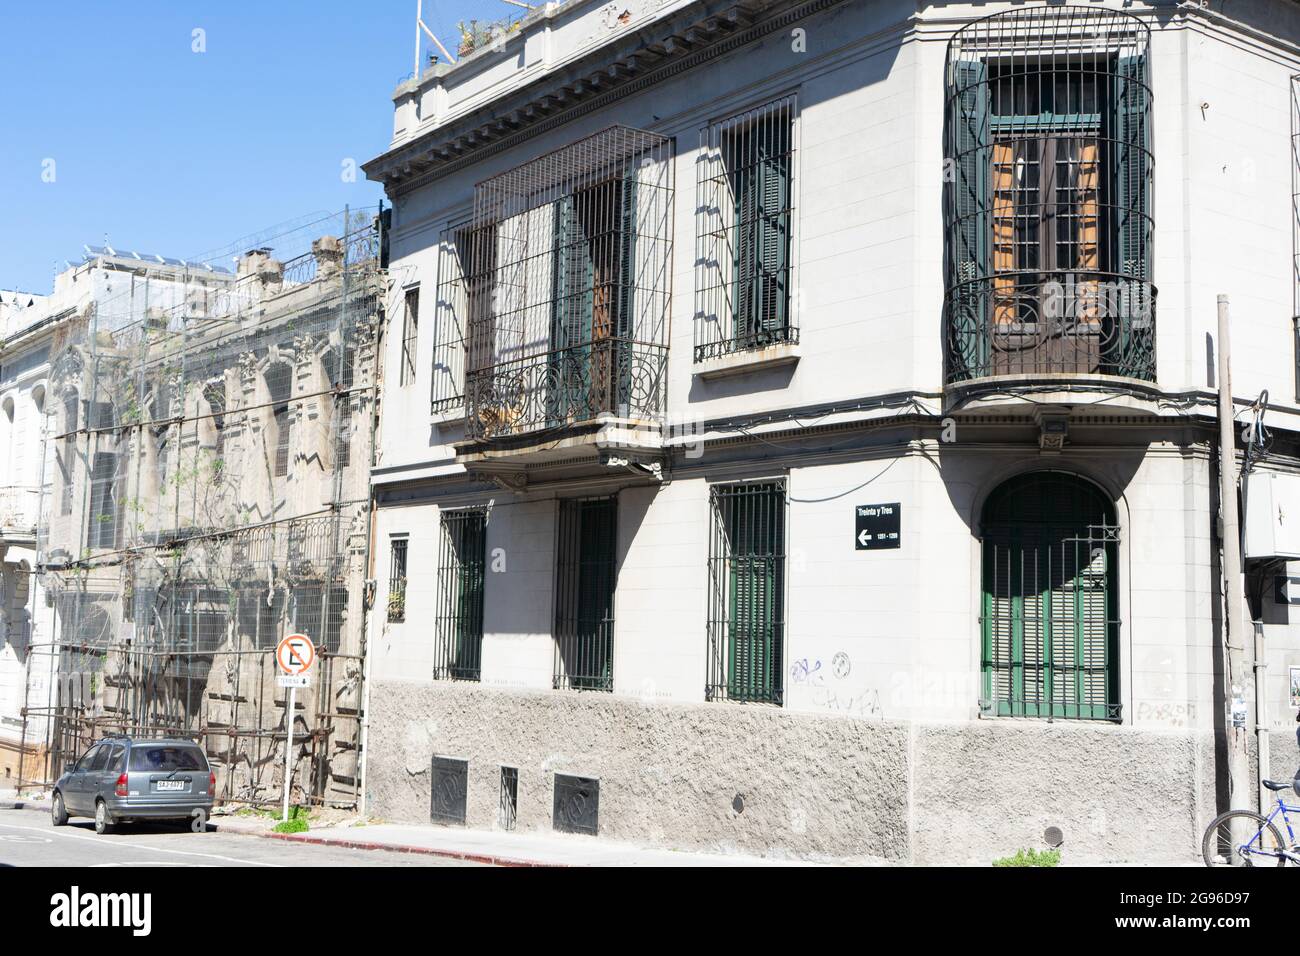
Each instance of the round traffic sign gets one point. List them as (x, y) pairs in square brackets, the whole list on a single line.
[(295, 654)]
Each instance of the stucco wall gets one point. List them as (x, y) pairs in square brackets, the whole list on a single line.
[(811, 787)]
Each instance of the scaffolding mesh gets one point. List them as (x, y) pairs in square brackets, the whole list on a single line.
[(204, 494)]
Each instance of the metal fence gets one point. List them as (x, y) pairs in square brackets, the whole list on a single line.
[(1048, 202)]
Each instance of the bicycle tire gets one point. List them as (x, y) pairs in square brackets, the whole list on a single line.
[(1210, 849)]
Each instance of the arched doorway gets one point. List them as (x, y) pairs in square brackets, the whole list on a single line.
[(1050, 603)]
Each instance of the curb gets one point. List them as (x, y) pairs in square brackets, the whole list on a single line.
[(470, 857), (23, 805)]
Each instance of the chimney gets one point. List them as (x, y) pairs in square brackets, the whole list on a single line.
[(328, 251)]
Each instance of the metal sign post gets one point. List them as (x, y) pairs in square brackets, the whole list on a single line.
[(295, 655)]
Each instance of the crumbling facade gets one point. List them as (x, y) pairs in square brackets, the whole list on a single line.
[(204, 495)]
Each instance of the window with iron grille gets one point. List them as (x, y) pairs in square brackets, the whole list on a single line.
[(569, 286), (746, 626), (451, 313), (1048, 214), (1050, 615), (410, 336), (279, 382), (458, 634), (397, 581), (744, 221), (585, 577)]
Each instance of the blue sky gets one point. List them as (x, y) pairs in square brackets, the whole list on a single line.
[(175, 152)]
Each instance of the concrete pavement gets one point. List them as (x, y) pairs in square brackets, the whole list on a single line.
[(497, 847), (387, 843)]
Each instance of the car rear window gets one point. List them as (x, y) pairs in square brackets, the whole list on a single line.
[(167, 757)]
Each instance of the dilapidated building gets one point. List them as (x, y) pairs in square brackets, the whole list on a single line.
[(204, 494)]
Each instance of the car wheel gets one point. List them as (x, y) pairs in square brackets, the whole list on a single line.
[(103, 822), (199, 820), (58, 812)]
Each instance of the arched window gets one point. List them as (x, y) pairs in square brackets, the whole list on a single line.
[(279, 382), (1050, 609)]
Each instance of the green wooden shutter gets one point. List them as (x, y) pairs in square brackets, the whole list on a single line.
[(469, 534), (1050, 602), (755, 518), (572, 304), (761, 188), (972, 143), (774, 236), (597, 542), (625, 324)]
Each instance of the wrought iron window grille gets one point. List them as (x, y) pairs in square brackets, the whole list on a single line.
[(1048, 208), (568, 287), (458, 626), (744, 221), (746, 614)]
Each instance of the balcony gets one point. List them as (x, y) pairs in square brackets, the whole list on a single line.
[(1047, 206), (567, 272)]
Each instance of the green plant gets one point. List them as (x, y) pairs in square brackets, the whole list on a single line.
[(292, 825), (1031, 858)]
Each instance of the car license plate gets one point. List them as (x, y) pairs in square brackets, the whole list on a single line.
[(171, 785)]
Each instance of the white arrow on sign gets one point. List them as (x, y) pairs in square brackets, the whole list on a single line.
[(864, 537)]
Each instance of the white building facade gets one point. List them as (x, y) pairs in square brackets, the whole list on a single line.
[(798, 428), (24, 368)]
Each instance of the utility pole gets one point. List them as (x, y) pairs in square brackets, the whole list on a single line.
[(1234, 619)]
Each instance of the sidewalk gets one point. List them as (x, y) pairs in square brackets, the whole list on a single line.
[(493, 846)]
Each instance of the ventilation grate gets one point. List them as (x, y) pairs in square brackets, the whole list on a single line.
[(447, 804), (577, 800)]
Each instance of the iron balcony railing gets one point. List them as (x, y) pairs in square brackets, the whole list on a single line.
[(567, 387), (1031, 324)]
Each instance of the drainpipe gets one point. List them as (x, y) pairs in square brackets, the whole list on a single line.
[(1234, 618), (1261, 715)]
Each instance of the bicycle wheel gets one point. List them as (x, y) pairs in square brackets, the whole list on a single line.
[(1258, 841)]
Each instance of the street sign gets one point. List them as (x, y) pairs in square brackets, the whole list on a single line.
[(295, 654), (878, 526), (1286, 590)]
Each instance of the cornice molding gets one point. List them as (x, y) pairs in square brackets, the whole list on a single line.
[(682, 41)]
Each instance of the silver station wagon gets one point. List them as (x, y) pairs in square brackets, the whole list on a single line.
[(125, 778)]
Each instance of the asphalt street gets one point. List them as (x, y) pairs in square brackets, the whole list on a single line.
[(27, 838)]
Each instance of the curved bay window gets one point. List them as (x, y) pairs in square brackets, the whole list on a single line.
[(1048, 199), (567, 274), (1050, 611)]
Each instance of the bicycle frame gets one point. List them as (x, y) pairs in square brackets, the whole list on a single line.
[(1291, 854)]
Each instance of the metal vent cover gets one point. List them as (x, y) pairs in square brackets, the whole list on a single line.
[(577, 802), (449, 780)]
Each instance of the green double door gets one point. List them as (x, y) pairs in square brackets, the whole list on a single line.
[(1050, 604)]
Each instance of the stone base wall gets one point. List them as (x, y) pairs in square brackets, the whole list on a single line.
[(752, 779)]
